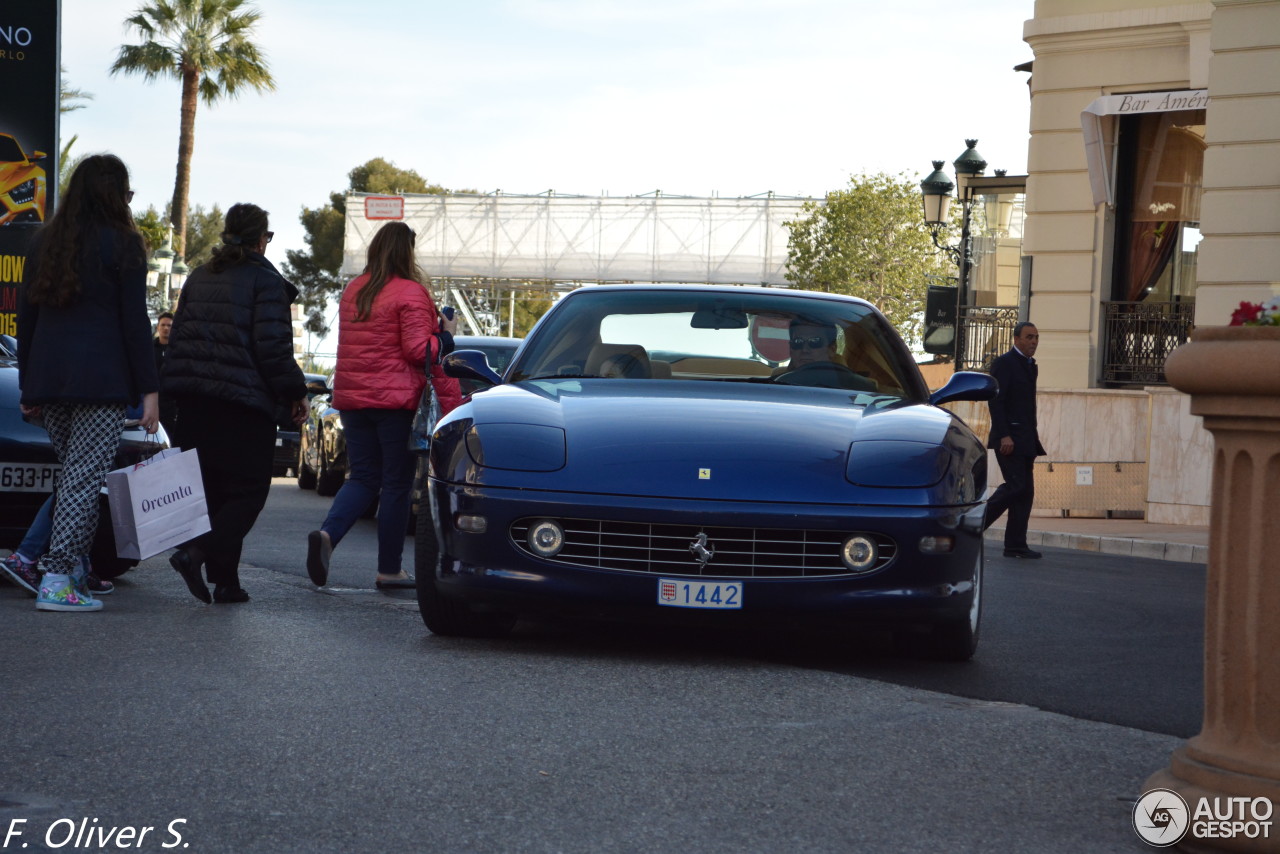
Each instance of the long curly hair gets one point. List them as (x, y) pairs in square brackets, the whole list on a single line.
[(244, 226), (390, 257), (97, 196)]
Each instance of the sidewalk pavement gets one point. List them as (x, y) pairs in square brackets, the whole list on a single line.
[(1184, 543)]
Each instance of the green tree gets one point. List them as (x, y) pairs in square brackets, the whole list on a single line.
[(69, 99), (66, 165), (316, 271), (153, 226), (206, 45), (205, 229), (204, 233), (869, 241)]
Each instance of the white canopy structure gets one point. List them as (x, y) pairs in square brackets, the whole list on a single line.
[(578, 239)]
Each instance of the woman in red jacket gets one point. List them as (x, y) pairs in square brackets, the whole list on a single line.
[(389, 336)]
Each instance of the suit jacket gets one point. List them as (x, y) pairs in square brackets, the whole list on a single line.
[(1013, 409)]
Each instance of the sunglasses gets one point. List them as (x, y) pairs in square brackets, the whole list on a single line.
[(128, 196), (270, 236), (813, 342)]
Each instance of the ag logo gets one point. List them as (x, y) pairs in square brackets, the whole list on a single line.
[(1161, 817)]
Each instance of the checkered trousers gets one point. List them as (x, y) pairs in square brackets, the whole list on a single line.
[(85, 439)]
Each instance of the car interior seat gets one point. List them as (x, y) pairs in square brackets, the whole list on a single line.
[(619, 360)]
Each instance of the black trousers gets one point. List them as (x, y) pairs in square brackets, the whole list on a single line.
[(236, 446), (1016, 495)]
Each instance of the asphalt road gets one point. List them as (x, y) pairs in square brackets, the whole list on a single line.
[(1102, 637), (315, 722)]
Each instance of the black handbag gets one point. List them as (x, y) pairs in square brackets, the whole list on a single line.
[(424, 421)]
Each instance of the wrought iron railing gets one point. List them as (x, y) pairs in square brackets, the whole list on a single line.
[(1139, 336), (985, 332)]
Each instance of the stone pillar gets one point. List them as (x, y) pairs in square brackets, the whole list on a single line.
[(1233, 377)]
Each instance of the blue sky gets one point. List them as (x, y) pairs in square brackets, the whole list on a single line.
[(692, 97)]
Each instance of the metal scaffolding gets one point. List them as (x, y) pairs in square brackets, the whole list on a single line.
[(478, 247)]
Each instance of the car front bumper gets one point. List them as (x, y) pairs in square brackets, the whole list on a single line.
[(491, 572)]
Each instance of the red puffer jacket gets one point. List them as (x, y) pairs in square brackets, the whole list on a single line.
[(381, 360)]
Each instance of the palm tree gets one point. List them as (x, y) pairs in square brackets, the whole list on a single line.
[(69, 99), (205, 44)]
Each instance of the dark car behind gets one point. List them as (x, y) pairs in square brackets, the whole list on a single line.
[(322, 457), (29, 469), (288, 434)]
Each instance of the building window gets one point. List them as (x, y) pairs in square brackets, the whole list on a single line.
[(1160, 165), (1158, 206)]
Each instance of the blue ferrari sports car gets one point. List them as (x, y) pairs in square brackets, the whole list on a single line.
[(718, 453)]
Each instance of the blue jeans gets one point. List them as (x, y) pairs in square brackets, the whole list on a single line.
[(381, 467), (36, 542)]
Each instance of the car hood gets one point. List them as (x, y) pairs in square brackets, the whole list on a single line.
[(702, 440)]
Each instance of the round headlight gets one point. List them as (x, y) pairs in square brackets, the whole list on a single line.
[(859, 553), (546, 538)]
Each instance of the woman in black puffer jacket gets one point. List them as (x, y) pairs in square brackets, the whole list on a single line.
[(230, 360)]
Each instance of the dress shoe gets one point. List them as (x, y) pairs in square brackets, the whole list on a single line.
[(319, 549), (226, 594), (1023, 552), (189, 568)]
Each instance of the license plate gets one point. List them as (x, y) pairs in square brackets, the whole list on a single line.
[(29, 477), (681, 593)]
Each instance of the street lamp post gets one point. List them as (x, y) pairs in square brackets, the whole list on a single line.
[(165, 272), (936, 193)]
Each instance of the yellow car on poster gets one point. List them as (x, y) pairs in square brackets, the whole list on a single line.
[(22, 184)]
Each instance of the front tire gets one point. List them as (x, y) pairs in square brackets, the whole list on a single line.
[(957, 640), (441, 614), (328, 482), (306, 477)]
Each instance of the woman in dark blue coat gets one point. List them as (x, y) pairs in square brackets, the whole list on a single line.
[(84, 355)]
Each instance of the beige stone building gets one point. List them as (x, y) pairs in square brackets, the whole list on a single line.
[(1152, 203)]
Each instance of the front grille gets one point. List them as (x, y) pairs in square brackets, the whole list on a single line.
[(739, 552)]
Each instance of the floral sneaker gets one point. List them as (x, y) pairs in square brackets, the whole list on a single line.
[(59, 593), (24, 574)]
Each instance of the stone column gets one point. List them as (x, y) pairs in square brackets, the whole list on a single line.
[(1233, 377)]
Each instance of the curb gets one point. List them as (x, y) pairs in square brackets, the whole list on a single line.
[(1178, 552)]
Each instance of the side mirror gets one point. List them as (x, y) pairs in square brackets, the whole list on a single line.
[(966, 385), (470, 365), (38, 155)]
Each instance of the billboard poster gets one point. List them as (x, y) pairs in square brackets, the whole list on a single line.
[(29, 40)]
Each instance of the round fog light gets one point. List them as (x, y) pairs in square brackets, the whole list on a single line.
[(546, 538), (859, 553)]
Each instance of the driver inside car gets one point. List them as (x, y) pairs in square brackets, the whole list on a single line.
[(811, 342), (814, 360)]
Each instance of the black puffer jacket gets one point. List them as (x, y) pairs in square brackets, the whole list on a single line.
[(232, 338)]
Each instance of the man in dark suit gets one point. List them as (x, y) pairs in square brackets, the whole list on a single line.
[(1015, 439)]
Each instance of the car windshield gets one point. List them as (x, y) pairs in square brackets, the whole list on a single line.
[(499, 356), (10, 151), (783, 338)]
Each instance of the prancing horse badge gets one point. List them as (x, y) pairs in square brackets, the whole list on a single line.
[(702, 550), (704, 474)]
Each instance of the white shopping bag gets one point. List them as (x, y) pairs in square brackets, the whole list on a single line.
[(157, 504)]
